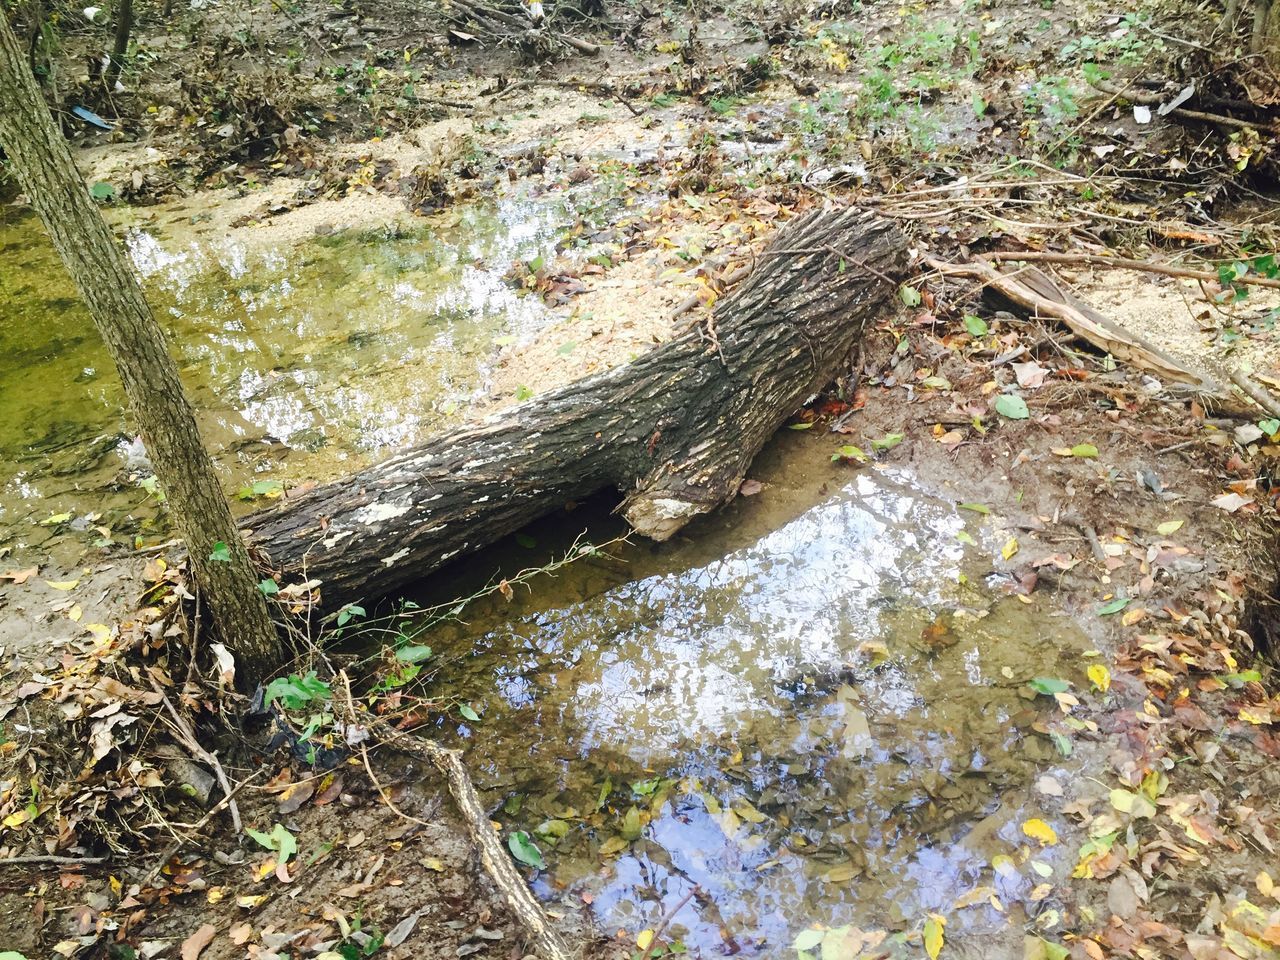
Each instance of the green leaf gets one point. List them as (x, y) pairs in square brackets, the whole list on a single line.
[(808, 939), (1269, 427), (523, 393), (888, 441), (295, 692), (526, 541), (1012, 407), (910, 295), (413, 653), (279, 840), (349, 613), (981, 508), (220, 553), (468, 713), (936, 383), (567, 348), (1086, 451), (525, 850), (631, 825), (799, 426), (102, 191), (1064, 745), (268, 588), (976, 326), (54, 519), (1048, 685), (848, 452), (1113, 606)]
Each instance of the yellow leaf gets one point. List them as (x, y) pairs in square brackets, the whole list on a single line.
[(1037, 829), (75, 613), (431, 863), (1169, 526), (933, 935), (101, 632), (16, 819), (1266, 886), (1010, 548), (1252, 716), (1100, 677), (1133, 615), (62, 584), (644, 938)]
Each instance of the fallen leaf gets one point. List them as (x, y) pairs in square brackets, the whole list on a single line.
[(1030, 375), (1169, 526), (19, 576), (1230, 502), (933, 938), (194, 945), (1100, 677), (1037, 829), (750, 488), (62, 584)]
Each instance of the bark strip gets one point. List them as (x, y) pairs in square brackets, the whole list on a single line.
[(674, 431)]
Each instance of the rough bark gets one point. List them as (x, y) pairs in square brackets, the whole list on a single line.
[(674, 431), (41, 161)]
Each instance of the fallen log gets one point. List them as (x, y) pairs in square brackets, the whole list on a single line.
[(674, 430)]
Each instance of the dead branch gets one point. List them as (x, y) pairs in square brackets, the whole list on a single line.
[(1256, 393), (50, 860), (1034, 291), (547, 941), (1123, 263)]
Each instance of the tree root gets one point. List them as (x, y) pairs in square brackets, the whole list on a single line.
[(546, 941)]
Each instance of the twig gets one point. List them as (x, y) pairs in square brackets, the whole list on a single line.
[(383, 793), (188, 737), (52, 860), (1256, 393), (666, 921), (177, 845), (1123, 263)]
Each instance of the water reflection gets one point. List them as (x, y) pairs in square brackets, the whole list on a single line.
[(345, 348), (832, 714)]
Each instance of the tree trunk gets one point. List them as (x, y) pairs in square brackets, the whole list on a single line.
[(674, 430), (119, 46), (41, 161)]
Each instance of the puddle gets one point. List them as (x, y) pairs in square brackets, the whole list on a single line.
[(304, 362), (815, 704)]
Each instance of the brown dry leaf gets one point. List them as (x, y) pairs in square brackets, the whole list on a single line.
[(194, 945), (295, 795), (1230, 502), (750, 488), (240, 934), (19, 576)]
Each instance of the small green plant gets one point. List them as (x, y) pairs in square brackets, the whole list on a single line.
[(295, 692)]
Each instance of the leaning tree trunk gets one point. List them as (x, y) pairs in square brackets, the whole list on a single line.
[(42, 164), (674, 430)]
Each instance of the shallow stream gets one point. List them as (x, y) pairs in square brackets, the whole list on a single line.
[(813, 706), (815, 703)]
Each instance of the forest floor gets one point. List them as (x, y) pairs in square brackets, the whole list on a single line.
[(1145, 508)]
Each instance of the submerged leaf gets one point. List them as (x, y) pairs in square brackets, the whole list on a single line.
[(1037, 829), (933, 938), (525, 850)]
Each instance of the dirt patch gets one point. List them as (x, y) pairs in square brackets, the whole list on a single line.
[(1178, 317)]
